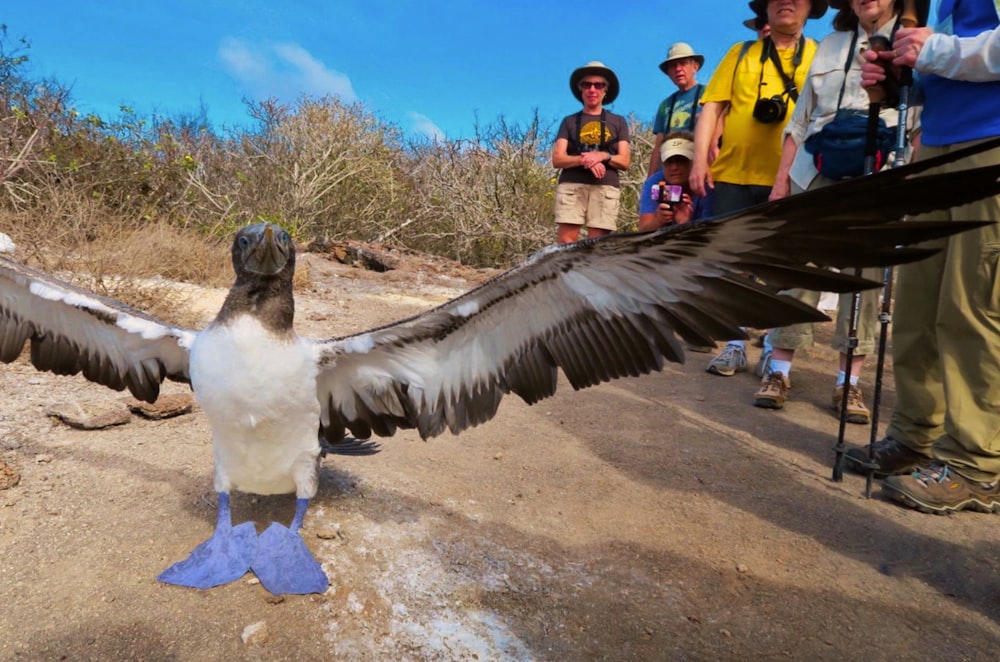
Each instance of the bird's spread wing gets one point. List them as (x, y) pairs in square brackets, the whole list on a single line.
[(72, 331), (610, 307)]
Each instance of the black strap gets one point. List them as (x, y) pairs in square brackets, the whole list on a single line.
[(698, 89), (576, 134), (772, 53), (847, 65)]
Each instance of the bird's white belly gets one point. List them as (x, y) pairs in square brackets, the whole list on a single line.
[(259, 394)]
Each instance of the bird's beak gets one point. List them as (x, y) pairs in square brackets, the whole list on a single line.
[(269, 255)]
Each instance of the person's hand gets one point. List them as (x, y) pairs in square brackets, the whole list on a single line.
[(598, 170), (905, 50), (590, 159), (781, 189), (683, 209), (713, 151), (664, 214), (873, 68), (701, 178), (907, 44)]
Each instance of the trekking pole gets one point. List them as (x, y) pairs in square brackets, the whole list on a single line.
[(876, 95), (908, 19)]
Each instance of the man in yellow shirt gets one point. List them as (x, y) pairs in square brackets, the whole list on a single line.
[(757, 85)]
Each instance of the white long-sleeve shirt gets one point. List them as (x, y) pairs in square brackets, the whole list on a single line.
[(974, 59)]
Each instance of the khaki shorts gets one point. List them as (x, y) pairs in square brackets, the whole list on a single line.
[(593, 205)]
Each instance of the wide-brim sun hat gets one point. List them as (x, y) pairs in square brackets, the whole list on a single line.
[(756, 23), (923, 8), (677, 147), (680, 51), (594, 68), (816, 10)]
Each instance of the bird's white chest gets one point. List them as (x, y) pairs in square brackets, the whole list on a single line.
[(259, 394)]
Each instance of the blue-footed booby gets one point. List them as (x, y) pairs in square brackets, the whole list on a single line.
[(597, 309)]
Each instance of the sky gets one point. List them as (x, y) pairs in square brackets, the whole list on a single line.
[(434, 69)]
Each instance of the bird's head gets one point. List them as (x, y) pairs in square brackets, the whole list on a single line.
[(263, 249)]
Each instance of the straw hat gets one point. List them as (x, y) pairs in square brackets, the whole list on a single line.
[(594, 68), (679, 51)]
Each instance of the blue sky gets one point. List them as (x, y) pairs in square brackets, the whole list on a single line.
[(431, 68)]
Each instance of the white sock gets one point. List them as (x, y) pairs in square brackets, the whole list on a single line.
[(767, 344), (737, 343), (840, 379), (784, 367)]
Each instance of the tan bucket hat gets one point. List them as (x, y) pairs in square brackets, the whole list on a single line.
[(594, 68), (679, 51)]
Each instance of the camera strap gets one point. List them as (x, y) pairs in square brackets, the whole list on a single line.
[(772, 53)]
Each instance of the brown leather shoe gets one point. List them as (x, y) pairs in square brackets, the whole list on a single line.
[(857, 412), (773, 391), (890, 457)]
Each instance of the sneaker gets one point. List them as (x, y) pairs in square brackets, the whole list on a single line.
[(730, 360), (938, 489), (857, 412), (764, 364), (773, 391), (891, 458)]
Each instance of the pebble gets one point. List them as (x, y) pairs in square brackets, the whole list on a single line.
[(8, 476), (166, 406), (255, 633), (90, 414)]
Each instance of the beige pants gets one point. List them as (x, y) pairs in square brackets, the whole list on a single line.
[(593, 205), (946, 340), (799, 336)]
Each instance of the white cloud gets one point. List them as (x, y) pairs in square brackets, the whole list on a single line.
[(423, 124), (313, 75), (283, 70)]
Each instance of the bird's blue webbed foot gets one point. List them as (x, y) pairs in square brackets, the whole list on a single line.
[(223, 558), (284, 563)]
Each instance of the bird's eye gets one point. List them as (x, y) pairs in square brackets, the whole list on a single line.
[(244, 241), (285, 237)]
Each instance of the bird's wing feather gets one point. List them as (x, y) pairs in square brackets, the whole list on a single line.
[(610, 307), (73, 331)]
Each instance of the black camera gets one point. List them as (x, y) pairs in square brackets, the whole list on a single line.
[(668, 194), (769, 111)]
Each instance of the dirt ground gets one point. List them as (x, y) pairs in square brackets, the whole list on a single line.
[(659, 518)]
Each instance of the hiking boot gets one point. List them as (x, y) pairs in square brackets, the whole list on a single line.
[(773, 391), (730, 360), (891, 458), (764, 364), (857, 412), (938, 489)]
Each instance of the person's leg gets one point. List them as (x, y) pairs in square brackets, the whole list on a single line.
[(571, 209), (726, 199), (602, 211), (968, 334), (865, 331), (920, 400), (775, 370)]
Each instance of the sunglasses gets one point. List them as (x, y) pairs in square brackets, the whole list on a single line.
[(596, 84)]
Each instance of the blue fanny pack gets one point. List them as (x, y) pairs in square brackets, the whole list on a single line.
[(838, 150)]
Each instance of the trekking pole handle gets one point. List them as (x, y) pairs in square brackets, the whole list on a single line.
[(878, 43), (909, 18)]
